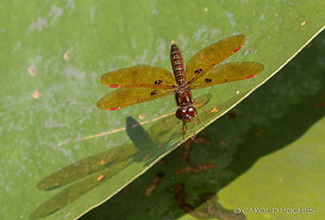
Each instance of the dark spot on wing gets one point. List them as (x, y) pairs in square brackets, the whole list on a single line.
[(207, 80), (158, 82), (198, 71), (154, 92)]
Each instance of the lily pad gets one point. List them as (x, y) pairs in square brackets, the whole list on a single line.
[(53, 54)]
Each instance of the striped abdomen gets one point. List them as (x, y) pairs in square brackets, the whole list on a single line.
[(177, 64)]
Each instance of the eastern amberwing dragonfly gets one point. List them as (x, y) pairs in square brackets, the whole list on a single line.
[(144, 83)]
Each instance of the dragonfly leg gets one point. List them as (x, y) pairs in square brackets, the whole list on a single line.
[(213, 110), (185, 127)]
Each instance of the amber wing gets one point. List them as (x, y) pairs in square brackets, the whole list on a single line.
[(139, 76), (125, 97), (212, 55), (136, 84), (229, 72)]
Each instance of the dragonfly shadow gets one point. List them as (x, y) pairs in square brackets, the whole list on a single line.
[(93, 171), (86, 174)]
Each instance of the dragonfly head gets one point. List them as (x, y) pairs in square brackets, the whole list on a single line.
[(186, 113)]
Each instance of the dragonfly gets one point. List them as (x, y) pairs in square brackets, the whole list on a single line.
[(145, 83)]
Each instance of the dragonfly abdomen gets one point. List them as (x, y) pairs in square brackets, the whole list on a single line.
[(177, 64)]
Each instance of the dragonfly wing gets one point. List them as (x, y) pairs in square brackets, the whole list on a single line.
[(124, 97), (229, 72), (210, 56), (139, 76)]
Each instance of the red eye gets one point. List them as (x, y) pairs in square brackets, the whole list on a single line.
[(180, 113), (188, 113), (191, 111)]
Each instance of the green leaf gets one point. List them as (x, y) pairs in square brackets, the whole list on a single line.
[(266, 153), (60, 155)]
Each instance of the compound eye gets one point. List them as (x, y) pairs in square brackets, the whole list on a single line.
[(191, 111), (180, 113)]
